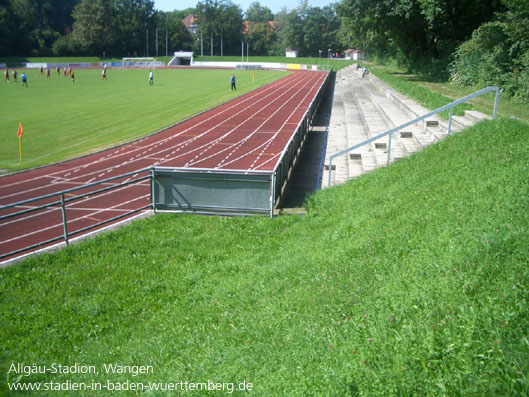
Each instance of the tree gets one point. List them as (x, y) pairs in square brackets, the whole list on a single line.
[(178, 36), (498, 52), (135, 26), (92, 29), (411, 30), (30, 27), (221, 25), (262, 38), (257, 13)]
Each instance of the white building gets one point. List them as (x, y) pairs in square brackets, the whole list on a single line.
[(355, 55), (291, 53)]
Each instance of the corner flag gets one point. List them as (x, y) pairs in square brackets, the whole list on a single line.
[(19, 133)]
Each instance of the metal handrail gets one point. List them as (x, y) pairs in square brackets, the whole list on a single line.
[(62, 204), (416, 120)]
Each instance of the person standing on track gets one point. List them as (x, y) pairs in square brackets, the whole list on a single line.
[(232, 80), (151, 82)]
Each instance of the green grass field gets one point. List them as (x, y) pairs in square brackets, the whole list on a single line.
[(63, 120), (412, 280)]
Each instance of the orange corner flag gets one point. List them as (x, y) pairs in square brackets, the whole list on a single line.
[(19, 133)]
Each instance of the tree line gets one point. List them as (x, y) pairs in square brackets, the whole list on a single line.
[(118, 28)]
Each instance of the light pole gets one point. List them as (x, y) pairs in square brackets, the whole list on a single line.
[(319, 63), (329, 57)]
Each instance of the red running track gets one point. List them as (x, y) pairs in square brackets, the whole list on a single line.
[(247, 133)]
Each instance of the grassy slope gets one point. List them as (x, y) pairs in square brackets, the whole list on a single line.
[(412, 280), (435, 94), (62, 119)]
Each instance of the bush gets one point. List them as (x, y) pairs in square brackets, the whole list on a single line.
[(486, 59)]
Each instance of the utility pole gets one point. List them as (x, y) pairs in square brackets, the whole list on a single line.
[(156, 41), (166, 37), (147, 42)]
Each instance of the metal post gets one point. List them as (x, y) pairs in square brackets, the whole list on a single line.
[(330, 170), (156, 39), (152, 191), (247, 51), (201, 43), (64, 224), (389, 148), (211, 43), (166, 41), (242, 52), (450, 120), (147, 42), (496, 103)]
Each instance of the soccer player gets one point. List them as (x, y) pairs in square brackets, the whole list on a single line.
[(58, 69), (6, 74), (24, 80), (104, 74), (150, 78), (232, 80), (72, 74), (64, 70), (47, 73), (15, 75)]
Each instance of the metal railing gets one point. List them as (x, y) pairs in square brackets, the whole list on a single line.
[(62, 201), (416, 120)]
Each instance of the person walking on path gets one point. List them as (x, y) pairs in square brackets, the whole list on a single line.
[(232, 80)]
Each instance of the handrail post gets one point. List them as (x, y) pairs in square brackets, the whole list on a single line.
[(330, 170), (389, 148), (496, 103), (152, 191), (450, 121), (64, 222)]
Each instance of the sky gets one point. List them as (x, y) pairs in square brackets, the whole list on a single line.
[(274, 5)]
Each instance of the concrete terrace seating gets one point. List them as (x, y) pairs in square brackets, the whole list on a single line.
[(366, 107)]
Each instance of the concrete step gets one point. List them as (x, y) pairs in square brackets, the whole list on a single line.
[(366, 107)]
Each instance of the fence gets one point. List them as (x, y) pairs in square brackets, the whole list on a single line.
[(60, 203), (389, 132)]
